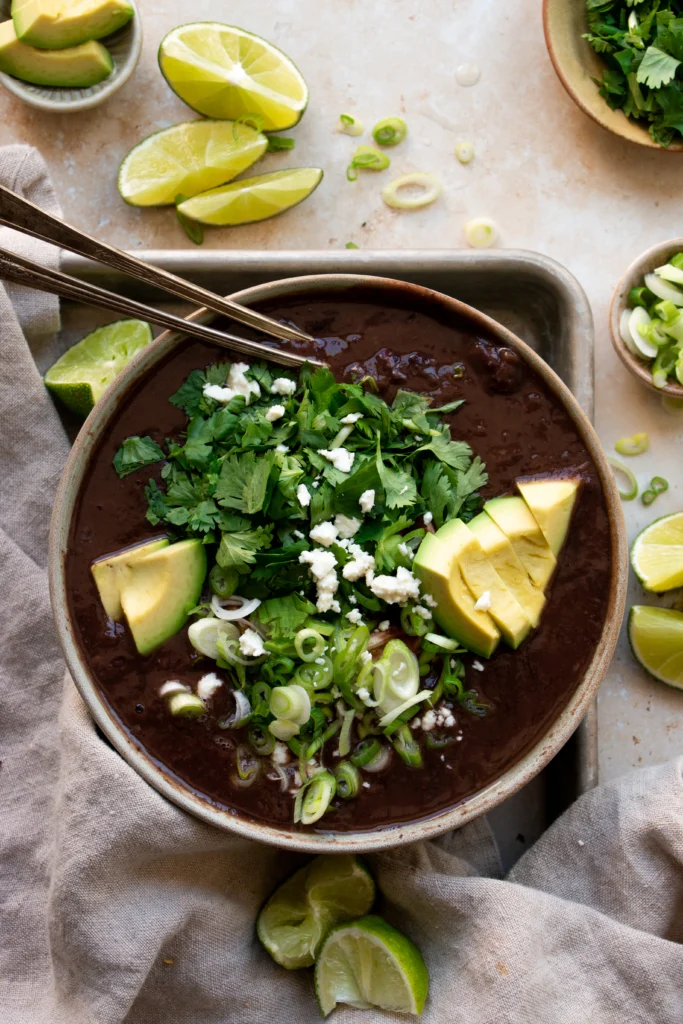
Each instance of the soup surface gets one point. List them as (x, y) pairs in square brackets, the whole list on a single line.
[(509, 418)]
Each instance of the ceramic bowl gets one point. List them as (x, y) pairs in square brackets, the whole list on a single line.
[(125, 47), (577, 64), (481, 802), (633, 278)]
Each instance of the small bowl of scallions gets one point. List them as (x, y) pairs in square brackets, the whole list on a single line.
[(646, 318)]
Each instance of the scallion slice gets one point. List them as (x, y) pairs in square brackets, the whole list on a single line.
[(407, 747), (430, 191), (631, 491), (345, 735), (366, 751), (658, 485), (291, 703), (316, 799), (282, 729), (481, 233), (396, 712), (348, 780), (635, 445), (261, 741), (248, 766), (390, 131), (309, 644), (350, 125), (464, 152), (186, 705), (366, 158), (205, 633)]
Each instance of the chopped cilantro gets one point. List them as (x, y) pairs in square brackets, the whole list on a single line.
[(136, 452)]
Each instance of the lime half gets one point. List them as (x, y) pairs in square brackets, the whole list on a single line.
[(81, 375), (222, 71), (657, 554), (187, 159), (369, 963), (656, 638), (253, 199), (298, 916)]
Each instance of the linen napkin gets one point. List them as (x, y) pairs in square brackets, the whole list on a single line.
[(117, 906)]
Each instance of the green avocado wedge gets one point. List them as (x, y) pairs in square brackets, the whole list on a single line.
[(503, 558), (551, 503), (161, 589), (78, 67), (56, 24), (112, 571), (512, 516)]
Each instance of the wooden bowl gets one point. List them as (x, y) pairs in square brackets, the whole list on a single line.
[(577, 64), (656, 256)]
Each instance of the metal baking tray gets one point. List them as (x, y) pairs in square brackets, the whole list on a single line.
[(532, 295)]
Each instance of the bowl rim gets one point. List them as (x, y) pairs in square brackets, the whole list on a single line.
[(641, 265), (641, 136), (110, 86), (327, 841)]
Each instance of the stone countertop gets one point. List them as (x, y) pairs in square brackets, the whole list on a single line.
[(553, 181)]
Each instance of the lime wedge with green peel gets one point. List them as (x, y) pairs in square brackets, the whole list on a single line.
[(656, 638), (298, 916), (81, 375), (657, 554), (253, 199), (369, 963), (187, 159), (222, 71)]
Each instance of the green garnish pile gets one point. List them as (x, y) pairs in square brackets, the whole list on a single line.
[(251, 480), (641, 42)]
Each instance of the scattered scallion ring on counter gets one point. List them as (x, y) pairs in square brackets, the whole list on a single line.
[(629, 492), (390, 131), (481, 232), (366, 158), (657, 486), (350, 125), (464, 152), (429, 190), (636, 445), (651, 327)]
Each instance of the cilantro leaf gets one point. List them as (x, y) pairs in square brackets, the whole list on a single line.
[(243, 482), (189, 395), (449, 494), (285, 616), (399, 487), (656, 68), (455, 454), (136, 452), (238, 550)]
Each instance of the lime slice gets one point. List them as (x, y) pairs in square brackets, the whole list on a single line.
[(656, 637), (222, 71), (299, 914), (81, 375), (657, 554), (369, 963), (187, 159), (253, 199)]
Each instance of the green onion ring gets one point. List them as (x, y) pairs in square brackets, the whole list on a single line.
[(431, 190), (635, 445), (390, 131), (619, 467), (262, 742), (366, 751), (407, 748), (303, 649), (348, 780)]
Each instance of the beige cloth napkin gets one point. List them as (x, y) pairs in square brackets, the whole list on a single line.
[(102, 881)]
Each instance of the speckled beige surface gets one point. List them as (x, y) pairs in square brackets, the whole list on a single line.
[(551, 178)]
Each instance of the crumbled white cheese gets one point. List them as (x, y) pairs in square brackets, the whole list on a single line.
[(478, 666), (280, 753), (322, 565), (303, 495), (363, 693), (427, 518), (320, 661), (405, 551), (282, 448), (354, 616), (207, 685), (298, 534), (353, 599), (360, 565), (424, 613), (251, 644), (347, 526), (367, 501), (483, 603), (351, 417), (282, 386), (428, 721), (396, 589), (429, 601), (365, 657), (384, 624), (341, 458), (276, 412), (324, 533), (218, 393), (365, 785), (236, 384), (173, 686)]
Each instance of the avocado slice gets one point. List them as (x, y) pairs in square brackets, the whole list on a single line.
[(57, 24), (79, 67), (112, 571), (436, 566), (160, 590), (504, 560), (551, 503), (513, 517), (482, 578)]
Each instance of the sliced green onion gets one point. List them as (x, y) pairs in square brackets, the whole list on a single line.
[(400, 679), (280, 143), (635, 445), (481, 233), (352, 245), (464, 152), (262, 742), (387, 719), (368, 725), (348, 780), (282, 729), (186, 705), (254, 121), (345, 661), (260, 693), (443, 643), (366, 751), (366, 158), (313, 676), (430, 186), (390, 131), (345, 735), (228, 650), (670, 272), (309, 644), (406, 747), (413, 623), (350, 125), (248, 766), (657, 486), (223, 581), (664, 364), (205, 633), (380, 761), (631, 491), (438, 740), (316, 799), (291, 703)]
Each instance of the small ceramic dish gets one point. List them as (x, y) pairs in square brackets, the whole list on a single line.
[(125, 47), (577, 65), (656, 256)]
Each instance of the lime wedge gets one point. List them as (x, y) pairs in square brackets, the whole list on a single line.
[(187, 159), (298, 916), (657, 554), (253, 199), (222, 71), (81, 375), (369, 963), (656, 638)]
